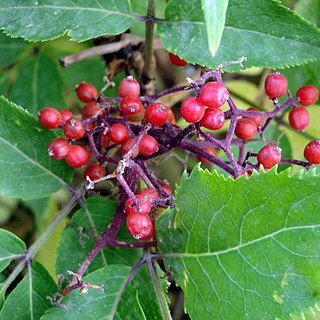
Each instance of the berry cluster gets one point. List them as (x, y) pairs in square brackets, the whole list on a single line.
[(127, 131)]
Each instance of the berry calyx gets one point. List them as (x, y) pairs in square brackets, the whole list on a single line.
[(176, 60), (58, 148), (148, 145), (312, 152), (308, 95), (73, 129), (245, 128), (118, 133), (139, 225), (129, 87), (89, 110), (213, 119), (130, 105), (156, 114), (299, 118), (86, 92), (257, 119), (66, 114), (78, 156), (49, 118), (143, 205), (214, 94), (94, 171), (276, 85), (269, 156), (192, 110)]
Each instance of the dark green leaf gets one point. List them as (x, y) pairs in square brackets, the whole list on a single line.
[(270, 36), (48, 19), (29, 299), (10, 246), (26, 169), (39, 84), (245, 248), (4, 83)]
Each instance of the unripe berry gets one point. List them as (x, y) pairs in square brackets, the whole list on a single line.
[(86, 92), (156, 114), (66, 114), (49, 117), (257, 119), (192, 109), (58, 148), (308, 95), (176, 60), (129, 87), (269, 156), (312, 152), (139, 225), (143, 206), (129, 105), (94, 171), (213, 119), (89, 110), (166, 188), (276, 85), (299, 118), (148, 145), (211, 150), (73, 129), (137, 117), (118, 133), (78, 156), (214, 94), (245, 129)]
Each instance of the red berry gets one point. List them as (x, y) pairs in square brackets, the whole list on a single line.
[(129, 87), (269, 156), (149, 193), (89, 110), (312, 152), (58, 148), (95, 171), (308, 95), (118, 133), (148, 145), (73, 129), (166, 188), (66, 114), (143, 206), (139, 225), (245, 128), (212, 151), (49, 117), (86, 92), (176, 60), (276, 85), (128, 146), (257, 119), (156, 114), (171, 117), (106, 142), (299, 118), (78, 156), (214, 94), (129, 105), (151, 233), (213, 119), (192, 109)]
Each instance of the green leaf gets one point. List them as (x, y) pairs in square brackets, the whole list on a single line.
[(49, 19), (29, 299), (10, 49), (4, 83), (215, 17), (26, 169), (10, 246), (39, 84), (310, 10), (245, 248), (271, 36)]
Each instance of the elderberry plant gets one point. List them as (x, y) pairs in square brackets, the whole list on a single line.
[(238, 232)]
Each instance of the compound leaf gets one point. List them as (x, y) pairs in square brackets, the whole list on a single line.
[(26, 169), (245, 248)]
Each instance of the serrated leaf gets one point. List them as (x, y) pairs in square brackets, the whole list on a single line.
[(10, 246), (310, 10), (38, 85), (10, 49), (29, 298), (245, 248), (49, 19), (271, 36), (26, 169), (215, 17)]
